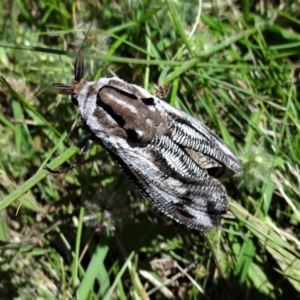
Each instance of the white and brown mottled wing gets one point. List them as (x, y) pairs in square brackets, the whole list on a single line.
[(169, 156)]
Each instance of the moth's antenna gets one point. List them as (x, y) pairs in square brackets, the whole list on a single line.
[(40, 92), (79, 62), (57, 88)]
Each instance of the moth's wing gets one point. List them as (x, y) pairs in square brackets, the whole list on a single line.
[(201, 144), (179, 188)]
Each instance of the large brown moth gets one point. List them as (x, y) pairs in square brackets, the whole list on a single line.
[(173, 159)]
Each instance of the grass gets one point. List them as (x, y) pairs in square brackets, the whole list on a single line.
[(88, 234)]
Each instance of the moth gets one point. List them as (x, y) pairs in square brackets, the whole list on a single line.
[(173, 159)]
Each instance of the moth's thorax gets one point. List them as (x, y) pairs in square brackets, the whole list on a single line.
[(113, 108)]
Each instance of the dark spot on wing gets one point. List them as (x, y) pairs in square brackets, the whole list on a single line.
[(148, 101), (119, 119), (216, 172), (132, 136)]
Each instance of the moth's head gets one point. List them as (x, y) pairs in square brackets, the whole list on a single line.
[(67, 89)]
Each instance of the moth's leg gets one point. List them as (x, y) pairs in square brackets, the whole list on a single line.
[(78, 124), (78, 162)]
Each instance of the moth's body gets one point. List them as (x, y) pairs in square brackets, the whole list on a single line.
[(172, 158)]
